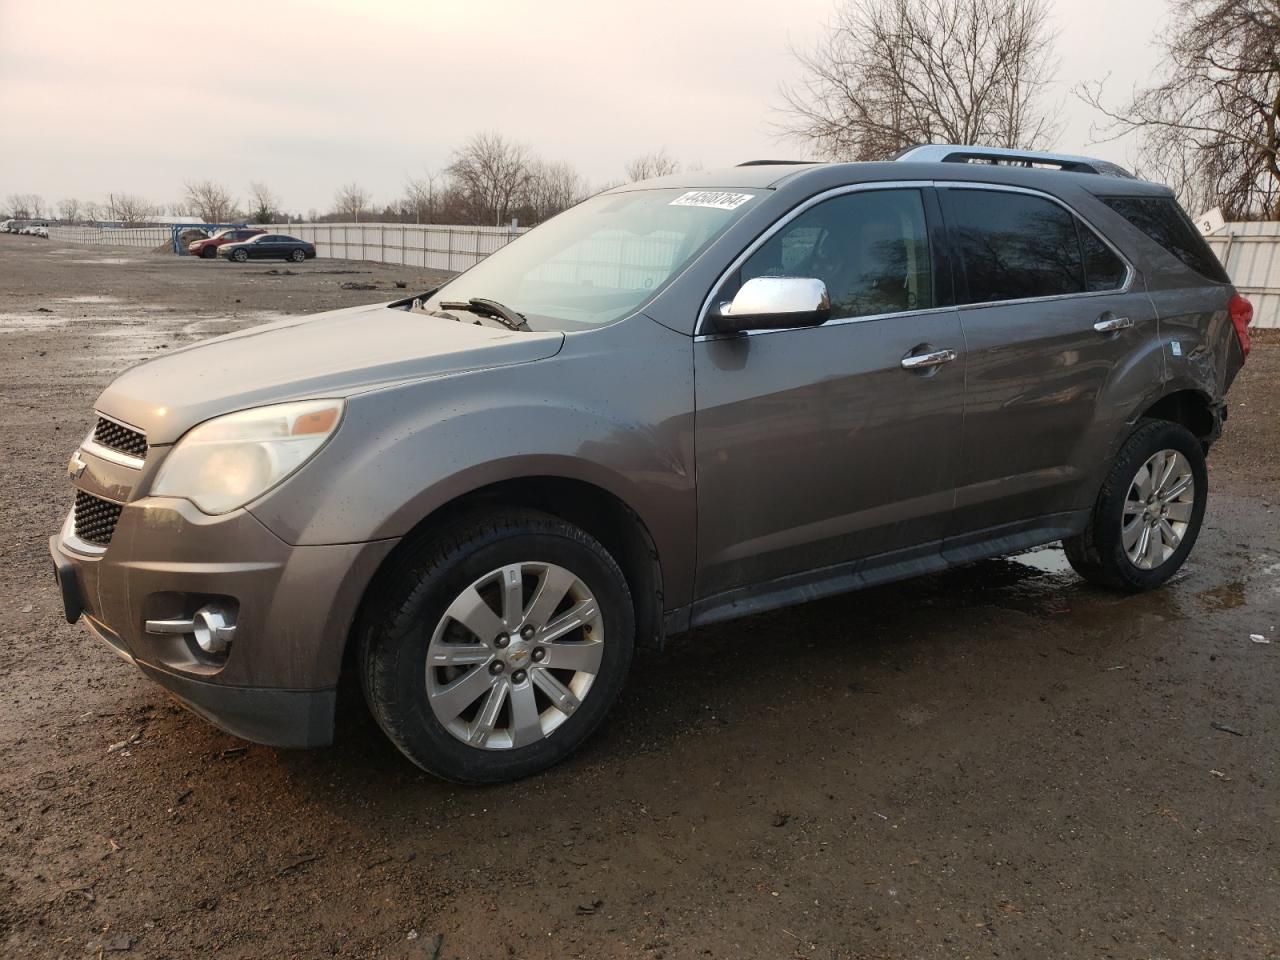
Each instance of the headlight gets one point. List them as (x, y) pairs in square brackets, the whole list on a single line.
[(228, 461)]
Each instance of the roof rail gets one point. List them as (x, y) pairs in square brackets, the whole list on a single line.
[(958, 153), (766, 163)]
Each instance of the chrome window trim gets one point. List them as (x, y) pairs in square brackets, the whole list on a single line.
[(1126, 287)]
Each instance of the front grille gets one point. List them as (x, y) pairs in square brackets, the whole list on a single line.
[(95, 518), (122, 438)]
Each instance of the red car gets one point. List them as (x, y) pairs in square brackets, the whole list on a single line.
[(208, 247)]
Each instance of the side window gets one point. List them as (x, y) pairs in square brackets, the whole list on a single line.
[(1103, 270), (1161, 219), (1013, 245), (871, 249)]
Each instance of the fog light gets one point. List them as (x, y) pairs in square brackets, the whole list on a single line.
[(210, 627)]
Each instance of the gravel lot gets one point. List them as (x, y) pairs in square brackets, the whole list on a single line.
[(999, 761)]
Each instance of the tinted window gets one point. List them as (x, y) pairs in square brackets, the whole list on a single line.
[(870, 248), (1103, 270), (1161, 219), (1014, 245)]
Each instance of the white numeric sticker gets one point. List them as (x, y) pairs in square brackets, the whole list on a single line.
[(716, 199)]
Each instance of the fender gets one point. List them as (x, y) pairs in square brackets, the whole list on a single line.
[(404, 451)]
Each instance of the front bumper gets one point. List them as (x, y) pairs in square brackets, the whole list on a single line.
[(293, 611)]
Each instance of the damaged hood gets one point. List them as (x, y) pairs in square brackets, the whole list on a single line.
[(333, 354)]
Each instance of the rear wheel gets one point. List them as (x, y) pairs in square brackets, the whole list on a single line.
[(1148, 514), (495, 647)]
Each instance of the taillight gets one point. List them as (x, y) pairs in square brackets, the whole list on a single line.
[(1241, 311)]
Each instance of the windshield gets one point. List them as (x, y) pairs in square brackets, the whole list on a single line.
[(599, 261)]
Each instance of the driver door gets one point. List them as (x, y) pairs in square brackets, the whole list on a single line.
[(815, 447)]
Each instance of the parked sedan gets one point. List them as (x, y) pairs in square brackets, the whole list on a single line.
[(269, 246), (208, 247)]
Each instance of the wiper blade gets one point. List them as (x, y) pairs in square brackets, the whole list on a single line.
[(489, 308)]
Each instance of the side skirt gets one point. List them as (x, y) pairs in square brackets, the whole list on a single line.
[(932, 557)]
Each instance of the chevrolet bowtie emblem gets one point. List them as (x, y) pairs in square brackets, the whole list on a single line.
[(75, 466)]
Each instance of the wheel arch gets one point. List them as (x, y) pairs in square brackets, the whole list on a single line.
[(598, 511), (1180, 403), (1191, 407)]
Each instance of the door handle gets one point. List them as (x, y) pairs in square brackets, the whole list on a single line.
[(1112, 324), (927, 361)]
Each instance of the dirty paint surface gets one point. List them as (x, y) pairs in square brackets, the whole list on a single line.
[(998, 761)]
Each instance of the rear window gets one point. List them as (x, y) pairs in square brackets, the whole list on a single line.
[(1161, 219)]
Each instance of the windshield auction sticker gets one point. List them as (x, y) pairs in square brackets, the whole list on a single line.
[(711, 198)]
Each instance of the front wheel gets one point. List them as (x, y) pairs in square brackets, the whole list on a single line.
[(298, 256), (209, 253), (1148, 514), (494, 648), (240, 256)]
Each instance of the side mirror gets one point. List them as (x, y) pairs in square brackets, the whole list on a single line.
[(773, 303)]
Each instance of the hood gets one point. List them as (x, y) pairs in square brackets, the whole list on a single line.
[(333, 354)]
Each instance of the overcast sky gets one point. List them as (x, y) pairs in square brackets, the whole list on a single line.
[(137, 96)]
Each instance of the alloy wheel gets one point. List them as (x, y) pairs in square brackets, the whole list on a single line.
[(1158, 509), (514, 655)]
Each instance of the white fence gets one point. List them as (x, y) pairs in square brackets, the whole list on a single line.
[(149, 237), (1250, 252), (431, 246)]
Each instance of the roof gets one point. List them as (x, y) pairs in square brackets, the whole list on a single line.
[(932, 162)]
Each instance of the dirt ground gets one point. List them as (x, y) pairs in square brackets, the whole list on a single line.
[(995, 762)]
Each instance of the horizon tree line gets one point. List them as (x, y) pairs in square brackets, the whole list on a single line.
[(489, 181)]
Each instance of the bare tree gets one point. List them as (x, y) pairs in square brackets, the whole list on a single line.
[(92, 210), (552, 187), (1210, 126), (420, 196), (69, 209), (211, 201), (263, 203), (25, 206), (129, 208), (891, 74), (655, 164), (351, 200), (492, 173)]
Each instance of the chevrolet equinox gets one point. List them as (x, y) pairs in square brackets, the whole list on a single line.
[(682, 400)]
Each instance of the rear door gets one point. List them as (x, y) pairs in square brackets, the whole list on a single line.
[(815, 446), (1050, 314)]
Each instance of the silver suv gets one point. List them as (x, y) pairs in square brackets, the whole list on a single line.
[(683, 400)]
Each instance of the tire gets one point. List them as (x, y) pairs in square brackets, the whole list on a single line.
[(240, 256), (1104, 553), (208, 253), (298, 256), (411, 611)]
